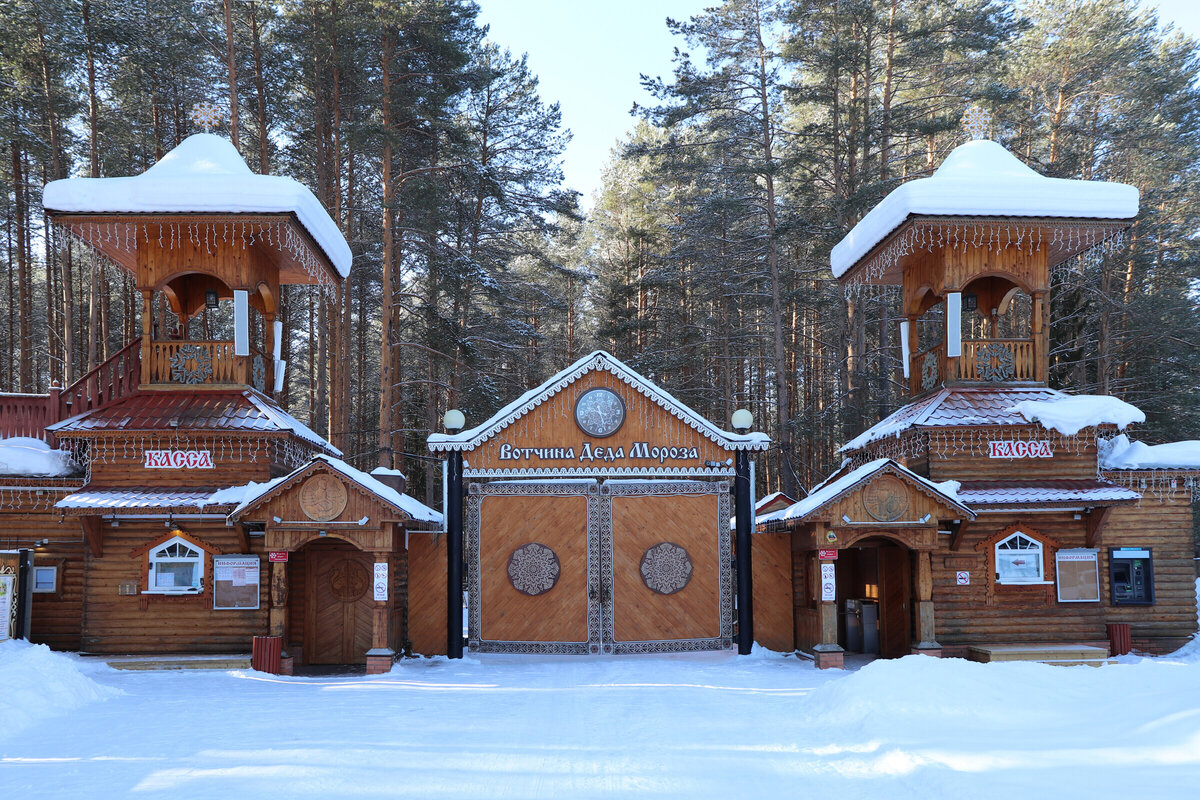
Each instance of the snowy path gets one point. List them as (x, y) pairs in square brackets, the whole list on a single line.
[(709, 725)]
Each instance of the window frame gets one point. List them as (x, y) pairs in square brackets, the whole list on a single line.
[(56, 572), (199, 560), (1041, 549)]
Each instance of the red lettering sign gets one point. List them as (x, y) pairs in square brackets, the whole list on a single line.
[(277, 556), (827, 555), (178, 459), (1033, 449)]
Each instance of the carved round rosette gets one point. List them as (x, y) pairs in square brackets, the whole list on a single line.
[(533, 569), (666, 568)]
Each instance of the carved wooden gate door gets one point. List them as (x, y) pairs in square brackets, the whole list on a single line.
[(573, 566)]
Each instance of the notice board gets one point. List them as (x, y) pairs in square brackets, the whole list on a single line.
[(235, 582), (1078, 576)]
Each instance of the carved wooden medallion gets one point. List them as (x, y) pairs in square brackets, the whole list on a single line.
[(348, 580), (533, 569), (666, 568), (886, 498), (323, 497)]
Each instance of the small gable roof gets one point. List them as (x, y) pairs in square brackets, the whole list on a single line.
[(253, 494), (844, 482), (599, 360)]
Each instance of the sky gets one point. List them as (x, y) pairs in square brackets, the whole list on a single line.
[(588, 55)]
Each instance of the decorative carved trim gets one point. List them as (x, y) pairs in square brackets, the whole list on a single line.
[(994, 362), (533, 569), (602, 472), (604, 362), (666, 568)]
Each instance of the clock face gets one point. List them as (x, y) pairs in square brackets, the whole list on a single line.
[(600, 412)]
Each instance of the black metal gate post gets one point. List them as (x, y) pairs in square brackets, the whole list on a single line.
[(745, 579), (24, 594), (454, 554)]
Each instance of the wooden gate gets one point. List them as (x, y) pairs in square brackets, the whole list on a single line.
[(581, 567), (338, 604)]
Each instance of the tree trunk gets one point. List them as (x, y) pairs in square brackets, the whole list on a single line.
[(231, 61)]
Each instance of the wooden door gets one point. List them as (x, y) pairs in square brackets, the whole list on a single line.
[(895, 617), (667, 580), (532, 584), (338, 604)]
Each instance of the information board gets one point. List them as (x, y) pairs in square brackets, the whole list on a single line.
[(235, 582), (1078, 576), (8, 599)]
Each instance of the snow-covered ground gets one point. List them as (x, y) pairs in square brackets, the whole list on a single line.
[(709, 725)]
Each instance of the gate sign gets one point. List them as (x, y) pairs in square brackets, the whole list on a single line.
[(827, 555), (1035, 449), (278, 556), (178, 459), (381, 581), (828, 584)]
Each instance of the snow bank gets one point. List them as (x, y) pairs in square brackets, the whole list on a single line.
[(22, 455), (36, 683), (982, 179), (1069, 415), (1121, 452)]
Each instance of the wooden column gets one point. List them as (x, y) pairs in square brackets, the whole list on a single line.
[(381, 655), (279, 599), (926, 643), (147, 321), (1041, 351), (828, 654)]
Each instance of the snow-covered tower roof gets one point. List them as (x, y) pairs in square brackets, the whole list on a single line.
[(204, 182)]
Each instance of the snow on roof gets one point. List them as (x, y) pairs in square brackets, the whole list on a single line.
[(391, 473), (253, 491), (288, 422), (598, 360), (203, 174), (125, 499), (982, 179), (954, 407), (1044, 493), (838, 484), (1072, 413), (25, 456), (1121, 452), (772, 498)]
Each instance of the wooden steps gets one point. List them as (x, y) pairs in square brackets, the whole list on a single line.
[(1064, 655), (179, 662)]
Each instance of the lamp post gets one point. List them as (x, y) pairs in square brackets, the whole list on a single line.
[(742, 421), (454, 422)]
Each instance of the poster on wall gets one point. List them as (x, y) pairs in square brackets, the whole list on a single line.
[(8, 601), (1078, 575), (235, 582)]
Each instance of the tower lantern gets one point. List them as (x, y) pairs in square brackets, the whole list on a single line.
[(972, 248)]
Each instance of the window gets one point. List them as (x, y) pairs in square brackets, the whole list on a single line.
[(175, 567), (45, 580), (1019, 560)]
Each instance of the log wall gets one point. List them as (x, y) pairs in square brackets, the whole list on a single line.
[(152, 623)]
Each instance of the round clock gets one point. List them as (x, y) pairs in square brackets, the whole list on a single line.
[(323, 497), (599, 412)]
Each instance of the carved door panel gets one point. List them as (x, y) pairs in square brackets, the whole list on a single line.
[(532, 581), (339, 606), (895, 615), (667, 566)]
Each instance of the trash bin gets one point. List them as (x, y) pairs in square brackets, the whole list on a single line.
[(1120, 640), (852, 614), (265, 654), (870, 626)]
